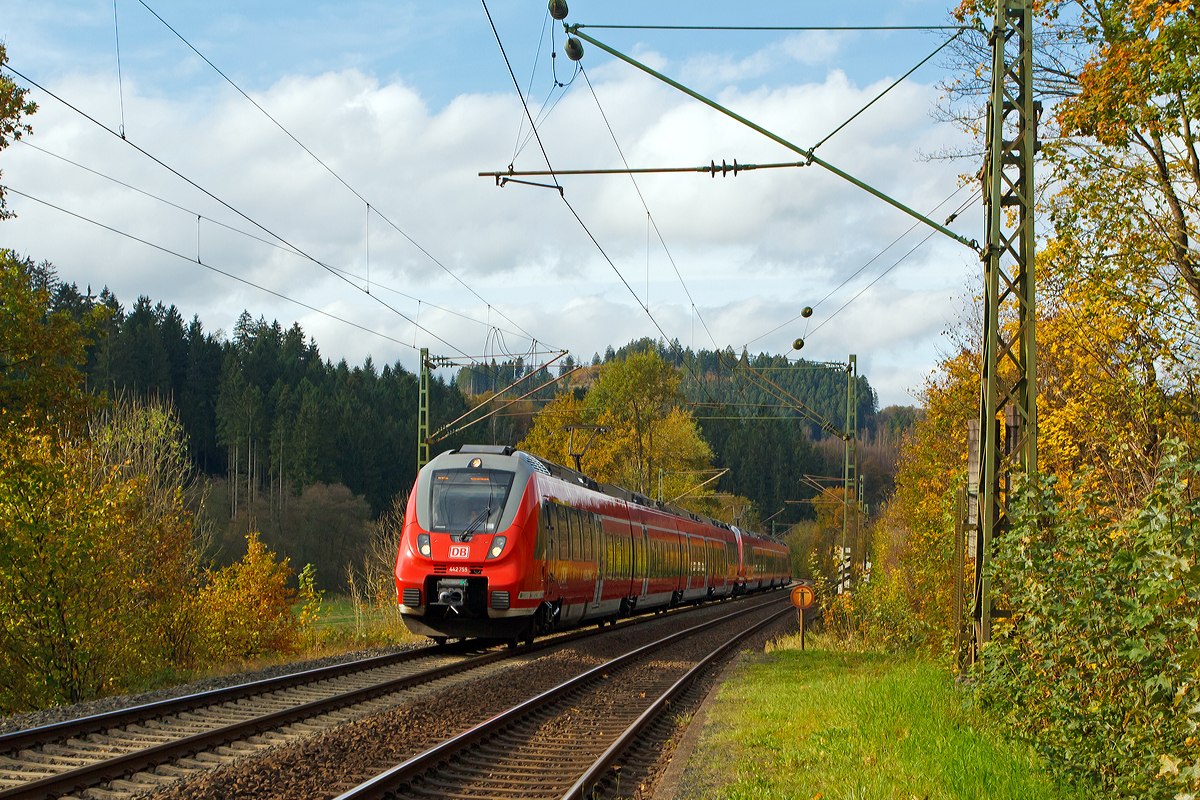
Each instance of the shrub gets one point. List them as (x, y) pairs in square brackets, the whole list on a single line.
[(1098, 664), (246, 607), (94, 582)]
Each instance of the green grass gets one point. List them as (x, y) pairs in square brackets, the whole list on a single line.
[(337, 612), (342, 625), (831, 725)]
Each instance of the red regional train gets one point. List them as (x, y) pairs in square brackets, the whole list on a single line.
[(500, 544)]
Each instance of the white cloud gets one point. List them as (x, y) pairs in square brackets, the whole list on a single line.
[(753, 249), (809, 48)]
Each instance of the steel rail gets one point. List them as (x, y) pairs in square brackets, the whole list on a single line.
[(601, 766), (84, 777), (404, 773), (98, 723)]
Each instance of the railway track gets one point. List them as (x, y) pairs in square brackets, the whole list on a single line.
[(135, 750), (567, 742)]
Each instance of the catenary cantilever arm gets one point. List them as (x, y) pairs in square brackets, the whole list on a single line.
[(808, 154)]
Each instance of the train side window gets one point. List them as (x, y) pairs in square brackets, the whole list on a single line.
[(566, 534), (581, 528)]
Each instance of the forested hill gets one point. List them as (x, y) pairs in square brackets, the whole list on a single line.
[(263, 402), (716, 382), (264, 408)]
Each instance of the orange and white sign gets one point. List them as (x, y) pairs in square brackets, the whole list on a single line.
[(803, 596)]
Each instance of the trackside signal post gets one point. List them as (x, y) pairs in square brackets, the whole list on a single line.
[(803, 598), (1008, 260)]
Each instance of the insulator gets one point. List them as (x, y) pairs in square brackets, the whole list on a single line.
[(558, 9), (574, 49), (798, 344), (806, 312)]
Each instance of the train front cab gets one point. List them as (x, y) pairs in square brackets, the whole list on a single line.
[(469, 533)]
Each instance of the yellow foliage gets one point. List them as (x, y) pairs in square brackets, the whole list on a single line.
[(93, 589), (639, 402), (247, 607)]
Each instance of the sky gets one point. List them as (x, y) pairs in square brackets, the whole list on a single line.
[(391, 241)]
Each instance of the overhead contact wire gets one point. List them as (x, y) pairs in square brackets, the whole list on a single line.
[(895, 83), (247, 234), (877, 279), (191, 260), (651, 221), (341, 180), (244, 216), (783, 27), (858, 271), (650, 216), (562, 193), (120, 82)]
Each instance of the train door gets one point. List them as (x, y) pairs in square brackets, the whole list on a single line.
[(644, 562), (597, 533), (696, 553), (550, 549), (689, 553)]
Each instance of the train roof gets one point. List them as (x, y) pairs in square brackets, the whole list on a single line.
[(549, 468)]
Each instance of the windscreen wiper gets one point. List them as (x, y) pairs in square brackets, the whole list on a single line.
[(483, 515)]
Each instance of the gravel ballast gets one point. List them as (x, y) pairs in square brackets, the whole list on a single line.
[(50, 716), (336, 760)]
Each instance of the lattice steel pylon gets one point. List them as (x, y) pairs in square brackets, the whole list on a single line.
[(1008, 385), (850, 475), (423, 410)]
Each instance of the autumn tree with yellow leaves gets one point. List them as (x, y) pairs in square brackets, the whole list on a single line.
[(102, 587), (1097, 664), (649, 429)]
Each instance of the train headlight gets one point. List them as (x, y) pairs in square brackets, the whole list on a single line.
[(423, 544), (497, 547)]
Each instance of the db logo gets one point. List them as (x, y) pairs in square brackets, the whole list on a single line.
[(460, 551)]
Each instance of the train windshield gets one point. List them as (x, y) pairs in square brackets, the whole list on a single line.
[(469, 500)]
